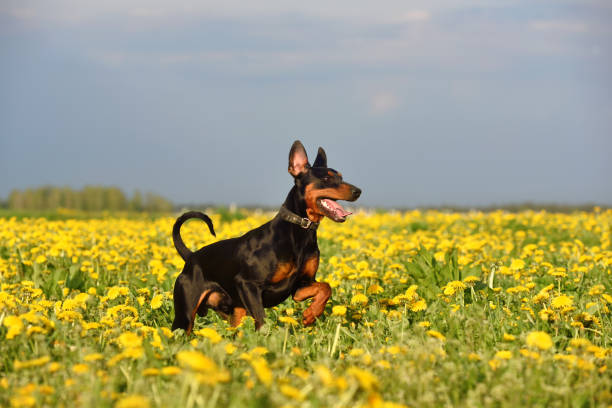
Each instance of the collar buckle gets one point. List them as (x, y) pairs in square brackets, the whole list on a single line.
[(305, 223)]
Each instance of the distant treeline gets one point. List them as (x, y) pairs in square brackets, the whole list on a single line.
[(90, 198)]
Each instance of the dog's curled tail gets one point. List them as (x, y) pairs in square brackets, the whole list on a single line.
[(183, 251)]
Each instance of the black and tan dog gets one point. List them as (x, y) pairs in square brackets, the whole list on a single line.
[(241, 276)]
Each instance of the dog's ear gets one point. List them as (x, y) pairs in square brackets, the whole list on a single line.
[(185, 297), (298, 159), (321, 160)]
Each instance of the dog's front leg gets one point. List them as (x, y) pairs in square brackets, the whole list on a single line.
[(320, 293), (250, 295)]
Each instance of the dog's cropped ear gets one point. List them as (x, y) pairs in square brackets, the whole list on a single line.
[(321, 160), (298, 159)]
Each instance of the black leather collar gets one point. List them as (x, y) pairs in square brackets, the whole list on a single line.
[(293, 218)]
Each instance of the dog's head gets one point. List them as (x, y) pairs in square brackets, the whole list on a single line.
[(320, 186), (219, 301)]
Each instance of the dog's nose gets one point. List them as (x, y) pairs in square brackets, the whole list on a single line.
[(356, 192)]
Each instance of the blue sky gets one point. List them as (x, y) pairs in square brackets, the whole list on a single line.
[(418, 103)]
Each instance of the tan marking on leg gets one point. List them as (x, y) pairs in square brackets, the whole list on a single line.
[(310, 266), (214, 299), (239, 314)]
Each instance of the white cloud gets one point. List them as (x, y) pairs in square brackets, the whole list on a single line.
[(559, 26), (109, 59), (383, 102), (414, 16), (80, 11)]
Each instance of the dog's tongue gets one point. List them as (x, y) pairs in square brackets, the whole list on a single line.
[(336, 208)]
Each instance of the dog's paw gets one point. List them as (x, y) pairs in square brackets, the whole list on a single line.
[(309, 317)]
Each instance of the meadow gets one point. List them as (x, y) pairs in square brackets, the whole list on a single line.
[(428, 309)]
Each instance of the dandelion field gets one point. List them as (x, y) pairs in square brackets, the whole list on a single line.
[(428, 309)]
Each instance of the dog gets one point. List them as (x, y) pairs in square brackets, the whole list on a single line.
[(241, 276)]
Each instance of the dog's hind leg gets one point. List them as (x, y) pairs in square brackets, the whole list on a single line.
[(194, 295)]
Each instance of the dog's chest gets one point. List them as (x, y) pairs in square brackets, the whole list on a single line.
[(290, 270)]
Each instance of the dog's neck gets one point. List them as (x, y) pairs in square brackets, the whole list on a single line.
[(294, 203)]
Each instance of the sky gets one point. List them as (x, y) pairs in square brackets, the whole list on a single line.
[(419, 103)]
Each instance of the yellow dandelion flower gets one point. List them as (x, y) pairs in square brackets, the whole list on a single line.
[(562, 302), (375, 289), (366, 380), (471, 279), (394, 314), (170, 370), (359, 299), (503, 355), (263, 372), (46, 390), (517, 264), (129, 339), (93, 357), (411, 292), (292, 392), (383, 364), (167, 332), (419, 306), (150, 372), (325, 375), (529, 354), (339, 310), (230, 348), (453, 287), (474, 357), (585, 365), (37, 362), (436, 335), (494, 364), (80, 368), (23, 401), (580, 343), (258, 351), (288, 320), (301, 373), (210, 333), (157, 301), (15, 326), (133, 401), (196, 361)]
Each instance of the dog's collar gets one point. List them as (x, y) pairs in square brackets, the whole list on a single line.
[(293, 218)]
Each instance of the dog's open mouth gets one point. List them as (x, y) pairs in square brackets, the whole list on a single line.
[(332, 209)]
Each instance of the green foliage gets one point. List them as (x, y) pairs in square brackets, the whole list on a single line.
[(89, 199)]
